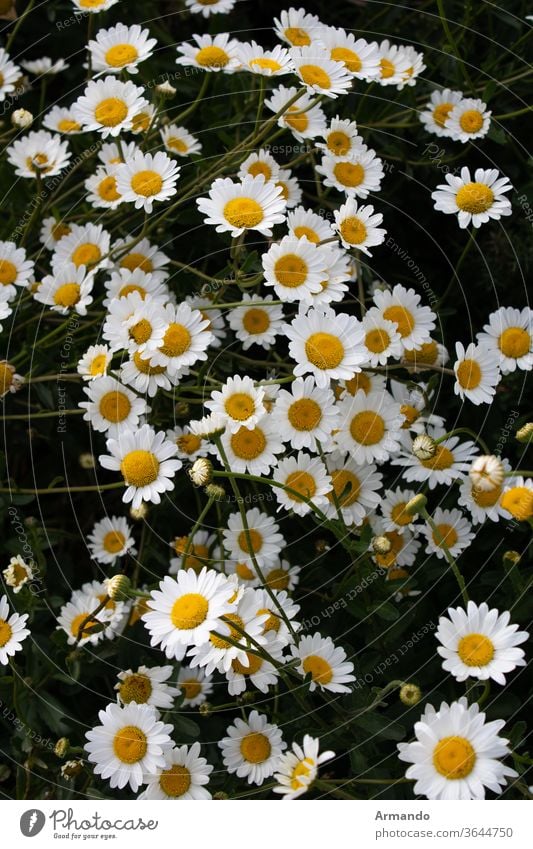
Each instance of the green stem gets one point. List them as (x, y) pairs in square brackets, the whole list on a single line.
[(442, 543)]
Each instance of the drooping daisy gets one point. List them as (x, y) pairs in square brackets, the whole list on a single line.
[(102, 192), (9, 74), (436, 112), (319, 73), (326, 344), (479, 643), (456, 753), (252, 204), (15, 269), (356, 175), (209, 7), (111, 538), (262, 539), (146, 686), (239, 402), (129, 745), (253, 450), (252, 748), (306, 414), (295, 268), (509, 334), (416, 67), (183, 776), (369, 426), (454, 532), (189, 446), (402, 306), (115, 613), (469, 119), (120, 48), (476, 200), (304, 120), (308, 477), (268, 63), (477, 373), (68, 288), (12, 631), (356, 488), (360, 57), (178, 141), (257, 324), (450, 462), (184, 610), (44, 65), (392, 505), (61, 120), (297, 27), (77, 621), (147, 462), (325, 662), (147, 178), (358, 226), (298, 768), (39, 154), (109, 106), (210, 53), (517, 499), (290, 188), (18, 573), (304, 222), (382, 339), (194, 685), (394, 63), (86, 244)]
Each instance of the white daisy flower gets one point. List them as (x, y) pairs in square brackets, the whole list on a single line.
[(290, 188), (402, 307), (123, 282), (320, 74), (86, 244), (450, 462), (369, 426), (111, 154), (111, 538), (436, 112), (403, 548), (295, 268), (112, 406), (10, 381), (259, 162), (93, 7), (257, 324), (101, 187), (210, 53), (77, 614), (116, 612), (360, 57), (416, 67), (325, 662), (453, 531), (194, 685), (9, 74), (258, 672), (358, 226), (183, 611), (239, 402), (356, 488), (367, 381), (209, 7), (268, 63), (52, 231), (253, 748), (144, 376), (109, 106), (15, 269), (178, 141), (262, 539), (61, 120), (326, 344), (430, 353), (143, 256), (38, 154), (18, 573), (68, 288), (304, 222), (356, 175), (306, 414), (392, 505), (301, 118), (382, 339), (394, 64), (129, 745), (297, 27), (147, 178), (509, 334), (483, 503), (476, 200), (456, 753), (147, 462), (12, 631), (413, 400), (252, 204), (341, 138), (517, 498), (253, 450), (198, 552), (210, 313), (120, 48), (477, 373), (308, 476), (469, 119), (5, 309), (146, 686), (135, 323), (185, 339), (275, 628), (183, 776), (479, 643), (297, 769), (190, 446), (282, 576), (45, 65), (142, 121)]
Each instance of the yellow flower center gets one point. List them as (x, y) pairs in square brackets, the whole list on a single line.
[(130, 744), (176, 340), (297, 37), (114, 406), (514, 342), (442, 459), (78, 621), (346, 487), (175, 782), (411, 414), (145, 367), (59, 230), (324, 350), (191, 688), (121, 54), (471, 121), (248, 444), (243, 212), (321, 671), (254, 665), (174, 143), (353, 231), (387, 69), (291, 271), (244, 572), (402, 317), (308, 233), (256, 321), (296, 119), (302, 482), (188, 443), (302, 769), (131, 287), (519, 502), (474, 198), (212, 57), (339, 143), (486, 498), (136, 260), (304, 414), (141, 122), (8, 272), (445, 534), (107, 189), (239, 406), (5, 633), (189, 611), (277, 579), (234, 633), (264, 62), (114, 541), (349, 57), (255, 748), (257, 168), (454, 757), (359, 381), (141, 332), (111, 112), (398, 514), (377, 341), (272, 623), (367, 428), (39, 162), (468, 374), (349, 174), (427, 354), (6, 377), (139, 468), (135, 688), (67, 295), (441, 112), (475, 650), (87, 254), (147, 183), (256, 541), (67, 125), (314, 75), (91, 4)]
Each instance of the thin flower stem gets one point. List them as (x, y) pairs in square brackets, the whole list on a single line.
[(197, 525), (471, 433), (451, 560), (17, 490)]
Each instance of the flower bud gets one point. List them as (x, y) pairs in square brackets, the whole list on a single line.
[(511, 558), (22, 119), (62, 747), (86, 460), (138, 514), (201, 471), (381, 545), (525, 433), (424, 447), (205, 709), (410, 694), (416, 504), (220, 796), (215, 491), (165, 89), (118, 587)]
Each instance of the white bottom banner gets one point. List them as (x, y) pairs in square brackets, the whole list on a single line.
[(359, 824)]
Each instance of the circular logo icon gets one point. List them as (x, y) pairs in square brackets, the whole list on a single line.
[(32, 822)]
